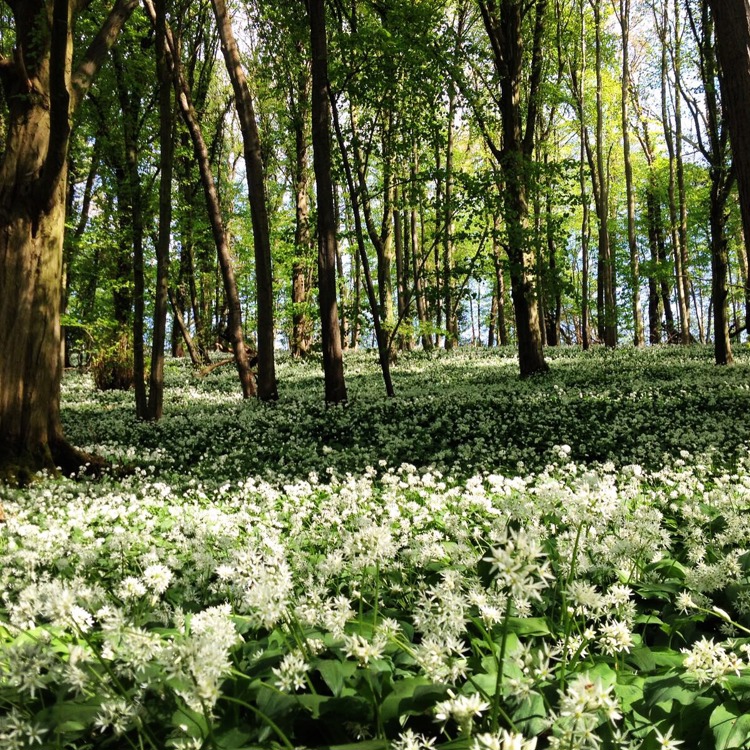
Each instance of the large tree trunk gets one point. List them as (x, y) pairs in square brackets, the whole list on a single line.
[(258, 208), (42, 93), (732, 25), (333, 361)]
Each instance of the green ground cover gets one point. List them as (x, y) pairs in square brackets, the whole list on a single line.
[(480, 562)]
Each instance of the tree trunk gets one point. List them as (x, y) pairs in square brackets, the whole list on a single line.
[(732, 23), (449, 303), (333, 361), (301, 273), (505, 34), (166, 133), (130, 207), (629, 191), (243, 102), (606, 273), (221, 240), (42, 92)]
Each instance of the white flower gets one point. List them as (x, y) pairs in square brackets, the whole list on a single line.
[(131, 588), (462, 709), (290, 674), (685, 603), (503, 741), (615, 637), (665, 741), (519, 565), (157, 578), (362, 650), (709, 662)]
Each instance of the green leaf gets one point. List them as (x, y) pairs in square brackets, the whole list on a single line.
[(730, 726), (528, 626), (668, 690), (413, 695), (364, 745), (233, 739), (531, 716), (335, 673)]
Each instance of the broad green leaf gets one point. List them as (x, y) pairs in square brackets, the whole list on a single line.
[(668, 690), (335, 673), (730, 725), (414, 695), (528, 626)]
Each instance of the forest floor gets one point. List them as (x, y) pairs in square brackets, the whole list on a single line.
[(480, 562)]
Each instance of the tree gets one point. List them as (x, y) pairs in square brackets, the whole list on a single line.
[(504, 27), (732, 28), (713, 143), (258, 208), (221, 237), (333, 362), (43, 92)]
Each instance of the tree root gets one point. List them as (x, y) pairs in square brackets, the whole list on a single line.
[(19, 467)]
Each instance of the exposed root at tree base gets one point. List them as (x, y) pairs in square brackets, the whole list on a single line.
[(71, 461), (19, 467)]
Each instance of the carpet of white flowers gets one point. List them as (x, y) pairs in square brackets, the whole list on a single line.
[(480, 563)]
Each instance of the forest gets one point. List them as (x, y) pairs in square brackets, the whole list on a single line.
[(374, 374)]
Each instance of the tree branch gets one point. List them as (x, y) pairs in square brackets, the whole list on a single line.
[(97, 51)]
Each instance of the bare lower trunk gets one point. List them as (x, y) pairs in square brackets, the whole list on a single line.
[(333, 361), (258, 208)]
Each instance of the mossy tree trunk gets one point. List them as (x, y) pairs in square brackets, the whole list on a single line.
[(43, 93)]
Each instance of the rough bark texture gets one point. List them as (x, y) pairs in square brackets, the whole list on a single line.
[(333, 361), (732, 24), (504, 26), (42, 92)]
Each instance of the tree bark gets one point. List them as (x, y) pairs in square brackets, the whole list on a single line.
[(243, 102), (732, 24), (166, 133), (221, 240), (629, 191), (43, 93), (504, 28), (333, 361)]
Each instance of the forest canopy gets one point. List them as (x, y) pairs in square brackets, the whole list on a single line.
[(315, 177)]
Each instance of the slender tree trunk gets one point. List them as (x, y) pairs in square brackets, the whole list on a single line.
[(195, 356), (606, 271), (258, 205), (585, 228), (449, 304), (333, 362), (629, 191), (221, 239), (427, 343), (301, 323), (133, 237), (677, 214), (166, 132), (502, 328), (376, 306)]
